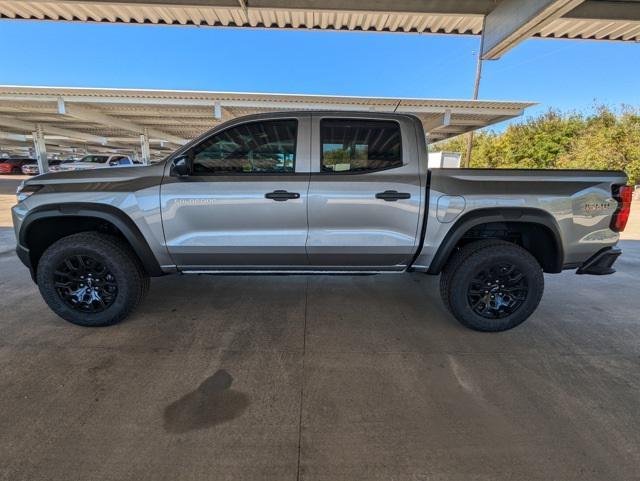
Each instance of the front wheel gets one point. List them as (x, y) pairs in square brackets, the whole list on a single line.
[(91, 279), (492, 285)]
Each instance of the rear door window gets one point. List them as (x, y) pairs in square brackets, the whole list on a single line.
[(353, 145)]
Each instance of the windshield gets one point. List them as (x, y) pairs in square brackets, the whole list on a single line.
[(96, 159)]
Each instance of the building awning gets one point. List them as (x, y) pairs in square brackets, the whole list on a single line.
[(508, 21), (97, 119)]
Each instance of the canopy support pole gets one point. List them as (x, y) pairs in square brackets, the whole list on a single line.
[(41, 150), (144, 147), (476, 89)]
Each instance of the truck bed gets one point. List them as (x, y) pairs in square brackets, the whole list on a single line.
[(578, 203)]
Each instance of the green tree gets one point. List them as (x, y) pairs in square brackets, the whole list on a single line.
[(608, 142), (604, 139)]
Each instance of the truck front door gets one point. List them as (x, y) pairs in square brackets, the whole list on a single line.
[(365, 193), (244, 206)]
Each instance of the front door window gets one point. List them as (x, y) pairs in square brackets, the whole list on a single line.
[(258, 147)]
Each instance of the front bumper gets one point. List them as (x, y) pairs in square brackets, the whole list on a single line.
[(601, 262)]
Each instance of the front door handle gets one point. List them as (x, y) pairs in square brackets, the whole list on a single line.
[(282, 195), (392, 195)]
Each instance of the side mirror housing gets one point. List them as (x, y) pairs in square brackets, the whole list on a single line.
[(181, 166)]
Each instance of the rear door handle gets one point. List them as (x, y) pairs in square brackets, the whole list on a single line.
[(392, 195), (282, 195)]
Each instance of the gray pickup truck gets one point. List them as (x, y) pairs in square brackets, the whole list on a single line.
[(316, 193)]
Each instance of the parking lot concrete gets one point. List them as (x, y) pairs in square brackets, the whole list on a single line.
[(323, 378)]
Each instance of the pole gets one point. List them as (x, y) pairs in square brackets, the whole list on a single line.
[(476, 89), (41, 150), (144, 147)]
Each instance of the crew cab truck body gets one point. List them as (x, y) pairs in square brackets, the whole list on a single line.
[(316, 193)]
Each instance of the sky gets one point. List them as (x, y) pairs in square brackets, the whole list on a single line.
[(568, 75)]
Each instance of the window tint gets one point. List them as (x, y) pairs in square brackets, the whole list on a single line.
[(359, 145), (256, 147)]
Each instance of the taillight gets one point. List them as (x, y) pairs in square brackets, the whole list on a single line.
[(621, 193)]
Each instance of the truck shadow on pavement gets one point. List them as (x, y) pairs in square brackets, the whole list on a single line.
[(213, 402)]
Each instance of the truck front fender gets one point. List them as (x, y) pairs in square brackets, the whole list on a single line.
[(109, 214)]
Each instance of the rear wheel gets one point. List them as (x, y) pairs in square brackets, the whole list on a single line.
[(91, 279), (492, 285)]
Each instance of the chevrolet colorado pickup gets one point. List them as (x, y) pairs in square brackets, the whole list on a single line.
[(316, 193)]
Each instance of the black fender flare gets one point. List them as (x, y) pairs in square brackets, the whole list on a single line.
[(108, 213), (496, 214)]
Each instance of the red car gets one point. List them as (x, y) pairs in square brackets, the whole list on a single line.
[(13, 166)]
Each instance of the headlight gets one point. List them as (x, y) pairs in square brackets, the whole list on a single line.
[(26, 190)]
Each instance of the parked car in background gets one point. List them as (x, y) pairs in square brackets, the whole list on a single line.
[(32, 169), (96, 161), (13, 165)]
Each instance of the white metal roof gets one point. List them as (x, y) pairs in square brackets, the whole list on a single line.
[(95, 118), (592, 19)]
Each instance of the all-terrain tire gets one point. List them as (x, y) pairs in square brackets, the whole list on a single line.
[(477, 258), (131, 279)]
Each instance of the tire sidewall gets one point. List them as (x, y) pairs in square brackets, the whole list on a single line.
[(117, 264), (466, 272)]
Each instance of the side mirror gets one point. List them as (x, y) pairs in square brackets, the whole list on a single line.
[(181, 166), (113, 163)]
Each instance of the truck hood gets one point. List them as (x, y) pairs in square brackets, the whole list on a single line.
[(93, 180)]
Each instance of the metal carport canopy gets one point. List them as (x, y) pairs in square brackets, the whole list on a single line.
[(96, 119), (504, 23)]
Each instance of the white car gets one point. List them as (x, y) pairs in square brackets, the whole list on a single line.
[(32, 169), (96, 161)]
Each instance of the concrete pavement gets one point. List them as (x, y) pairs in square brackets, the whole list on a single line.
[(322, 378)]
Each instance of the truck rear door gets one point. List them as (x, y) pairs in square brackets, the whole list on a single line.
[(364, 193)]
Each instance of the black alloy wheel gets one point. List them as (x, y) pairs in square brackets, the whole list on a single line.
[(491, 285), (85, 284), (91, 279), (497, 291)]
